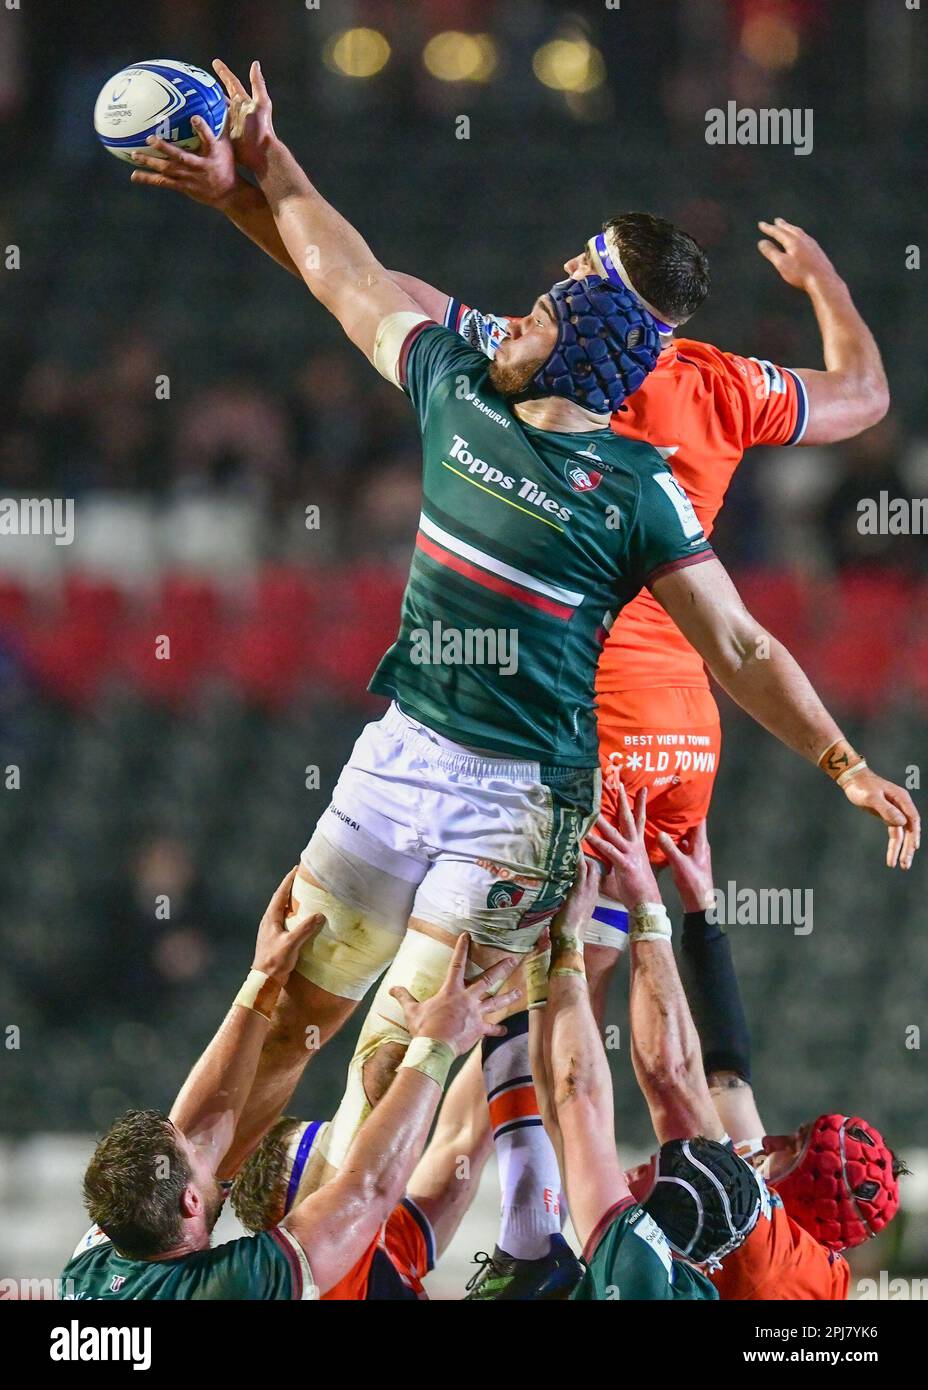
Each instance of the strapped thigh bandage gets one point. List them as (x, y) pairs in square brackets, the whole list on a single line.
[(352, 949)]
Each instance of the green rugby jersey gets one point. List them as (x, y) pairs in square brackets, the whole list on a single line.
[(529, 544), (628, 1257), (268, 1266)]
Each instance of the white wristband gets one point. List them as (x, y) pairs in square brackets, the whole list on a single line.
[(850, 772), (649, 922)]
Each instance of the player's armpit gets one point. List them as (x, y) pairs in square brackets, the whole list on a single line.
[(336, 1224), (433, 303), (334, 1229)]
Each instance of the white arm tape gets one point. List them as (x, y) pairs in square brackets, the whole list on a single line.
[(649, 922), (392, 333)]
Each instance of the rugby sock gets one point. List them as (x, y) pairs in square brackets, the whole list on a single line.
[(714, 996), (529, 1177)]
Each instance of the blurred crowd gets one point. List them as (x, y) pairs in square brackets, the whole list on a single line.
[(195, 402), (327, 432), (121, 289)]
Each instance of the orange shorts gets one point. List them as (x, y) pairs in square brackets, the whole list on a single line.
[(667, 739), (396, 1262)]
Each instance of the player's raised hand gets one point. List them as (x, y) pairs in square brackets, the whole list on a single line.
[(895, 808), (459, 1013), (567, 927), (233, 85), (690, 861), (251, 122), (207, 175), (624, 849), (277, 949), (795, 255)]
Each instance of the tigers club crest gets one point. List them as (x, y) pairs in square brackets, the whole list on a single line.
[(504, 895), (581, 479)]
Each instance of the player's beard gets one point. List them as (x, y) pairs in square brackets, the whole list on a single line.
[(512, 381)]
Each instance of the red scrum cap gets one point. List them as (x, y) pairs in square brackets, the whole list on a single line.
[(843, 1188)]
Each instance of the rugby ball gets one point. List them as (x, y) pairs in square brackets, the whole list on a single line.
[(157, 98)]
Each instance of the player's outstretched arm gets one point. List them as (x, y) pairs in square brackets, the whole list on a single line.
[(666, 1053), (333, 258), (337, 1224), (760, 675), (447, 1176), (213, 1097), (712, 989), (209, 176), (581, 1082), (852, 392)]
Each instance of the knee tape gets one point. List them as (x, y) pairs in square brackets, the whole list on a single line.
[(608, 926), (350, 952), (421, 965)]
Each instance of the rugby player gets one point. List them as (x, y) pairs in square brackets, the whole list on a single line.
[(151, 1187), (706, 1200), (830, 1185), (423, 1223), (424, 782), (701, 407), (833, 1181), (658, 722)]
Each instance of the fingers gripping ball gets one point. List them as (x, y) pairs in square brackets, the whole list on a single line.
[(607, 344), (159, 97), (844, 1187)]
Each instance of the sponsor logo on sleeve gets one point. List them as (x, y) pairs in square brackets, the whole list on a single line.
[(682, 505)]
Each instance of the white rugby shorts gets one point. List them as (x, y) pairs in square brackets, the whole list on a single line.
[(421, 827)]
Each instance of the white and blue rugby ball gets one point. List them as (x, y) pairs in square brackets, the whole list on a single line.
[(157, 98)]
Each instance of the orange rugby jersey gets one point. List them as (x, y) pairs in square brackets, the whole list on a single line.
[(701, 408), (395, 1264), (779, 1260)]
